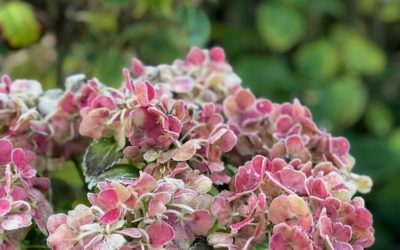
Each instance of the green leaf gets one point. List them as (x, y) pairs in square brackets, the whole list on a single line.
[(117, 172), (378, 118), (340, 104), (318, 60), (281, 27), (359, 54), (195, 25), (101, 155), (18, 24)]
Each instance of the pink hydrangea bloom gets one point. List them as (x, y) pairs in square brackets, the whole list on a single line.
[(167, 213)]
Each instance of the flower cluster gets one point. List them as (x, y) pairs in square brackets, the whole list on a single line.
[(218, 166), (45, 122), (161, 130), (22, 195), (286, 131), (290, 204), (140, 213), (203, 77)]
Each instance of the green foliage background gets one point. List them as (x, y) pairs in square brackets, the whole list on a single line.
[(340, 57)]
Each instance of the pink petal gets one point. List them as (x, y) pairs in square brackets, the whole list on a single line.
[(342, 232), (217, 54), (5, 206), (200, 222), (239, 225), (196, 56), (108, 198), (341, 145), (363, 217), (81, 215), (63, 238), (141, 93), (137, 67), (186, 151), (94, 123), (128, 81), (5, 151), (294, 144), (160, 233), (110, 216), (55, 221), (284, 123), (290, 209), (132, 232), (103, 102), (158, 202), (294, 180), (18, 157), (264, 106), (144, 184), (150, 90), (244, 99), (221, 210), (227, 141)]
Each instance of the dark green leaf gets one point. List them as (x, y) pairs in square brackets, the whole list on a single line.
[(117, 172), (101, 155), (267, 76), (200, 245)]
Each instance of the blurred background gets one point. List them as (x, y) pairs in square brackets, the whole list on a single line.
[(341, 58)]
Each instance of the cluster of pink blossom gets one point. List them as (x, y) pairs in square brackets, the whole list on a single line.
[(46, 122), (290, 205), (22, 195), (286, 131), (151, 126), (139, 213), (188, 127)]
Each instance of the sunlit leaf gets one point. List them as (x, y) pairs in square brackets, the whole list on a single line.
[(18, 24), (360, 55)]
